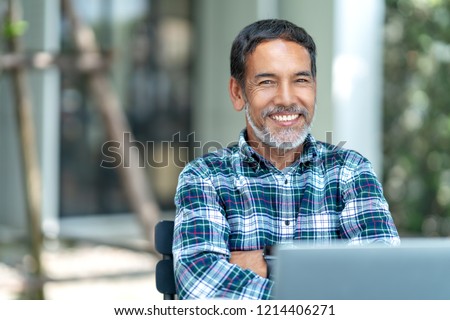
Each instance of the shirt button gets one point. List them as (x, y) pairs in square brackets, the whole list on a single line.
[(286, 181), (287, 222)]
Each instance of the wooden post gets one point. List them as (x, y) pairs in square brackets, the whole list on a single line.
[(30, 158), (135, 183)]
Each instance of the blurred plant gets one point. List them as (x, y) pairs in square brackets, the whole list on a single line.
[(14, 29), (416, 115)]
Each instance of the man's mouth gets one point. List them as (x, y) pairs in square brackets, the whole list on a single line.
[(285, 117)]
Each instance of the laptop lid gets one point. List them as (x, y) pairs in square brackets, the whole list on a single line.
[(417, 269)]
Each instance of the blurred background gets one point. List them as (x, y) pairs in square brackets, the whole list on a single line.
[(78, 76)]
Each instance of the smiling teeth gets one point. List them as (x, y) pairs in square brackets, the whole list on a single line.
[(285, 117)]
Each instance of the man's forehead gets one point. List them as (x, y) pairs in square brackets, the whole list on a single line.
[(279, 53), (265, 44)]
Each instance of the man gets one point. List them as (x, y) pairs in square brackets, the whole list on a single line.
[(278, 184)]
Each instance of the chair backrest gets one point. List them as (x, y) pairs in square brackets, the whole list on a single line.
[(165, 279)]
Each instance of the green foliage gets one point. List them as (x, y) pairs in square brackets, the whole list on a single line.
[(417, 115), (14, 29)]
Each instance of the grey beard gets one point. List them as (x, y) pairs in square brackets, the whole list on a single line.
[(272, 140)]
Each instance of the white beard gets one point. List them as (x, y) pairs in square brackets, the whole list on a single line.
[(286, 139)]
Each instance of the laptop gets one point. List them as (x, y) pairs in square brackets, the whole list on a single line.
[(418, 269)]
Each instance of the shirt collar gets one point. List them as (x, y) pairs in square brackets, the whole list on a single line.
[(244, 147), (310, 149)]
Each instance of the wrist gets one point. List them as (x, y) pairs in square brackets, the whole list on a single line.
[(269, 259)]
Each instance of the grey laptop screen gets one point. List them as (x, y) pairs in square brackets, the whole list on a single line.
[(417, 269)]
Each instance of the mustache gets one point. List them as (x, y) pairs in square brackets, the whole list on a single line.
[(295, 108)]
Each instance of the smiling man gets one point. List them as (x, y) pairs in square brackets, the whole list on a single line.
[(278, 184), (279, 96)]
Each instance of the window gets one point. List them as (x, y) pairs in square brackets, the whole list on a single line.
[(149, 44)]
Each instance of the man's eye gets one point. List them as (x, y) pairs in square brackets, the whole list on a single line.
[(266, 82), (302, 80)]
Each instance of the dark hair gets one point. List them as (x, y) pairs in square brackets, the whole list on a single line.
[(265, 30)]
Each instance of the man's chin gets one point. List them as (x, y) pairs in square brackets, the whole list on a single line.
[(288, 143), (285, 144)]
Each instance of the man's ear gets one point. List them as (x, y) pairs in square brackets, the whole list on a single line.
[(236, 94)]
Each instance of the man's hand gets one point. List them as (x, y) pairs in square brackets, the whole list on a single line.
[(252, 260)]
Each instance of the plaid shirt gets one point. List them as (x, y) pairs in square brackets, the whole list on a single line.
[(234, 199)]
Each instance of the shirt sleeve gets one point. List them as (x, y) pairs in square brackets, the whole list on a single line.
[(200, 248), (366, 217)]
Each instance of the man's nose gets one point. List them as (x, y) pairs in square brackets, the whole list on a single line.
[(285, 95)]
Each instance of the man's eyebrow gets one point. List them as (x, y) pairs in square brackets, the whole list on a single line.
[(265, 75), (304, 74), (272, 75)]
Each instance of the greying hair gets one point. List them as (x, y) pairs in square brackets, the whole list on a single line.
[(265, 30)]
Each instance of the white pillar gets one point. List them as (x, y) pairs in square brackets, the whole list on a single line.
[(42, 34), (357, 77), (44, 21)]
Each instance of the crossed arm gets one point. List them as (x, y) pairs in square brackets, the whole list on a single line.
[(251, 260), (206, 269)]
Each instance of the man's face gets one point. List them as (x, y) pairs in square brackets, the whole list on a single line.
[(280, 94)]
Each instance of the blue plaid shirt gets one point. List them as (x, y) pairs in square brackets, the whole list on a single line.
[(234, 199)]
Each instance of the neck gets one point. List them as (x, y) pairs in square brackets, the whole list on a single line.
[(280, 158)]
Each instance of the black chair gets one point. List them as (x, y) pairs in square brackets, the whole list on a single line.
[(165, 279)]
